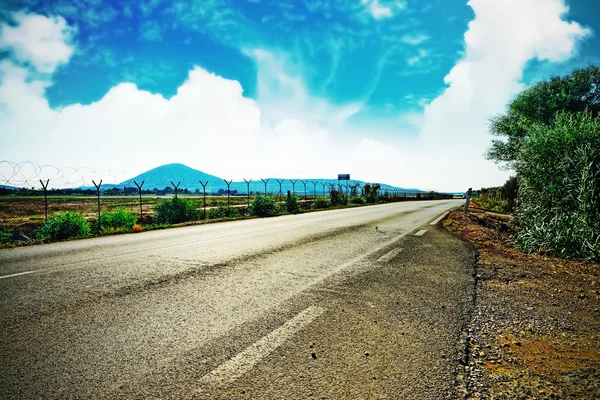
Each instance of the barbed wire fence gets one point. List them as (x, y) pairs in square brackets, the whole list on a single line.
[(31, 193)]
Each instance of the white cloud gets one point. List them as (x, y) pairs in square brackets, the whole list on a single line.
[(44, 42), (500, 41), (287, 131), (421, 54), (377, 10), (414, 39)]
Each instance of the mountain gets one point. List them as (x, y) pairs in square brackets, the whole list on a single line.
[(161, 177)]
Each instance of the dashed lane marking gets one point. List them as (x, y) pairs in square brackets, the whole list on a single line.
[(389, 256), (20, 273), (439, 218), (247, 359), (420, 233)]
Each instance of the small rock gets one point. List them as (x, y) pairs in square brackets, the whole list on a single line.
[(366, 354), (314, 356)]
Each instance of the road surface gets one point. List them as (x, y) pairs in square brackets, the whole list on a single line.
[(362, 303)]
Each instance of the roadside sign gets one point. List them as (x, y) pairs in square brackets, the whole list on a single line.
[(343, 177)]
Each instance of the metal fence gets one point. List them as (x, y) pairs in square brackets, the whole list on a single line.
[(29, 196)]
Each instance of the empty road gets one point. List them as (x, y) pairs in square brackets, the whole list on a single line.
[(364, 302)]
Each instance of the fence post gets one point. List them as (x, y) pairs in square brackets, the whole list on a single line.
[(140, 190), (265, 182), (228, 192), (293, 186), (467, 199), (204, 190), (323, 185), (248, 185), (280, 194), (176, 187), (45, 186), (98, 194), (315, 187), (304, 183)]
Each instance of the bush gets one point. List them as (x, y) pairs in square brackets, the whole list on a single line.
[(335, 197), (291, 204), (559, 188), (64, 226), (263, 206), (357, 200), (6, 234), (174, 211), (222, 211), (370, 191), (321, 202), (120, 219)]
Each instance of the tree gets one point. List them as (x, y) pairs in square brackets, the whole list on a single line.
[(539, 105)]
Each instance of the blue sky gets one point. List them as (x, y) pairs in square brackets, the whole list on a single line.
[(385, 90)]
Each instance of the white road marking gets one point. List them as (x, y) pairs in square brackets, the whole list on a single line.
[(389, 256), (20, 273), (439, 218), (420, 233), (247, 359)]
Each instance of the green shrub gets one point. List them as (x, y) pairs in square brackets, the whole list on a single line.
[(64, 226), (321, 202), (291, 203), (174, 211), (559, 188), (263, 206), (370, 191), (357, 200), (6, 234), (222, 211), (335, 197), (120, 219)]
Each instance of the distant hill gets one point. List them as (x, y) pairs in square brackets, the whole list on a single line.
[(161, 177), (9, 187)]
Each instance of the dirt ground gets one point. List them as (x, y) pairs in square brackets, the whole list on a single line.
[(535, 330)]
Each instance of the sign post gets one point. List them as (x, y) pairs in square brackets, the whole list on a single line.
[(469, 192), (342, 177)]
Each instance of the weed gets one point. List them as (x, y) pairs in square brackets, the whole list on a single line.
[(64, 226)]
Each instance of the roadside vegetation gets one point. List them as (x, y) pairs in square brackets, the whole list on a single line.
[(535, 324), (550, 137), (123, 214), (64, 226)]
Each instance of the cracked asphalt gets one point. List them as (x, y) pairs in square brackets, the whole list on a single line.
[(152, 315)]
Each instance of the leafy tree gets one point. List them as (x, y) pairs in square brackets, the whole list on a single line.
[(538, 105)]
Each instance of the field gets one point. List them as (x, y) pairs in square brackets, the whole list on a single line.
[(26, 213)]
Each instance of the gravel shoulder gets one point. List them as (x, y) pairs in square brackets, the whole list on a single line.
[(535, 330)]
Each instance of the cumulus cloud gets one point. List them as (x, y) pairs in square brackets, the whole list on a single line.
[(286, 131), (501, 39), (43, 42)]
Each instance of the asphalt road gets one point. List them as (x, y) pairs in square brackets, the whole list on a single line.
[(344, 303)]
